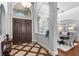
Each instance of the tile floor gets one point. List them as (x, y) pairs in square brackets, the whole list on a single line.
[(29, 49)]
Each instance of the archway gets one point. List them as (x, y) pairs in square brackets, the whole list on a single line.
[(20, 11), (22, 20), (2, 21)]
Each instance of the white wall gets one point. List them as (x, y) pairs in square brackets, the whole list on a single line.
[(50, 43), (3, 22), (3, 18), (72, 14), (69, 14), (7, 19), (37, 36), (0, 20)]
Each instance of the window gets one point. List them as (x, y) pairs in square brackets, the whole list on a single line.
[(42, 17), (20, 13)]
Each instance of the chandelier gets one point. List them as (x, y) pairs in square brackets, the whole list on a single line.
[(26, 4)]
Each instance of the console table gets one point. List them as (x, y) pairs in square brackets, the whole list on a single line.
[(1, 39)]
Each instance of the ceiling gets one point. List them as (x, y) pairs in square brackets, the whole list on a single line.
[(64, 6), (20, 7)]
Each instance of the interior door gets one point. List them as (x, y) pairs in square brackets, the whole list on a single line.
[(22, 30)]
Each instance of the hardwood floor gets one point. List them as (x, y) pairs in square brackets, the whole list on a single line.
[(72, 52)]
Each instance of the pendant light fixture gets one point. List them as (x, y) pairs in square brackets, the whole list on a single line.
[(26, 4)]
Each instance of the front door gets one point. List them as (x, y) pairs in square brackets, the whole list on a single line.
[(22, 30)]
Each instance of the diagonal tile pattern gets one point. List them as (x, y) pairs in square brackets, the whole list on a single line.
[(14, 46), (37, 46), (35, 49), (43, 51), (24, 43), (19, 47), (31, 54), (13, 52), (20, 53), (29, 49), (31, 44)]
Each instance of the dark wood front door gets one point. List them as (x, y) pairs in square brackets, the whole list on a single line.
[(22, 30)]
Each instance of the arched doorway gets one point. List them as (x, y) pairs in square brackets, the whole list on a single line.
[(2, 20), (22, 24)]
